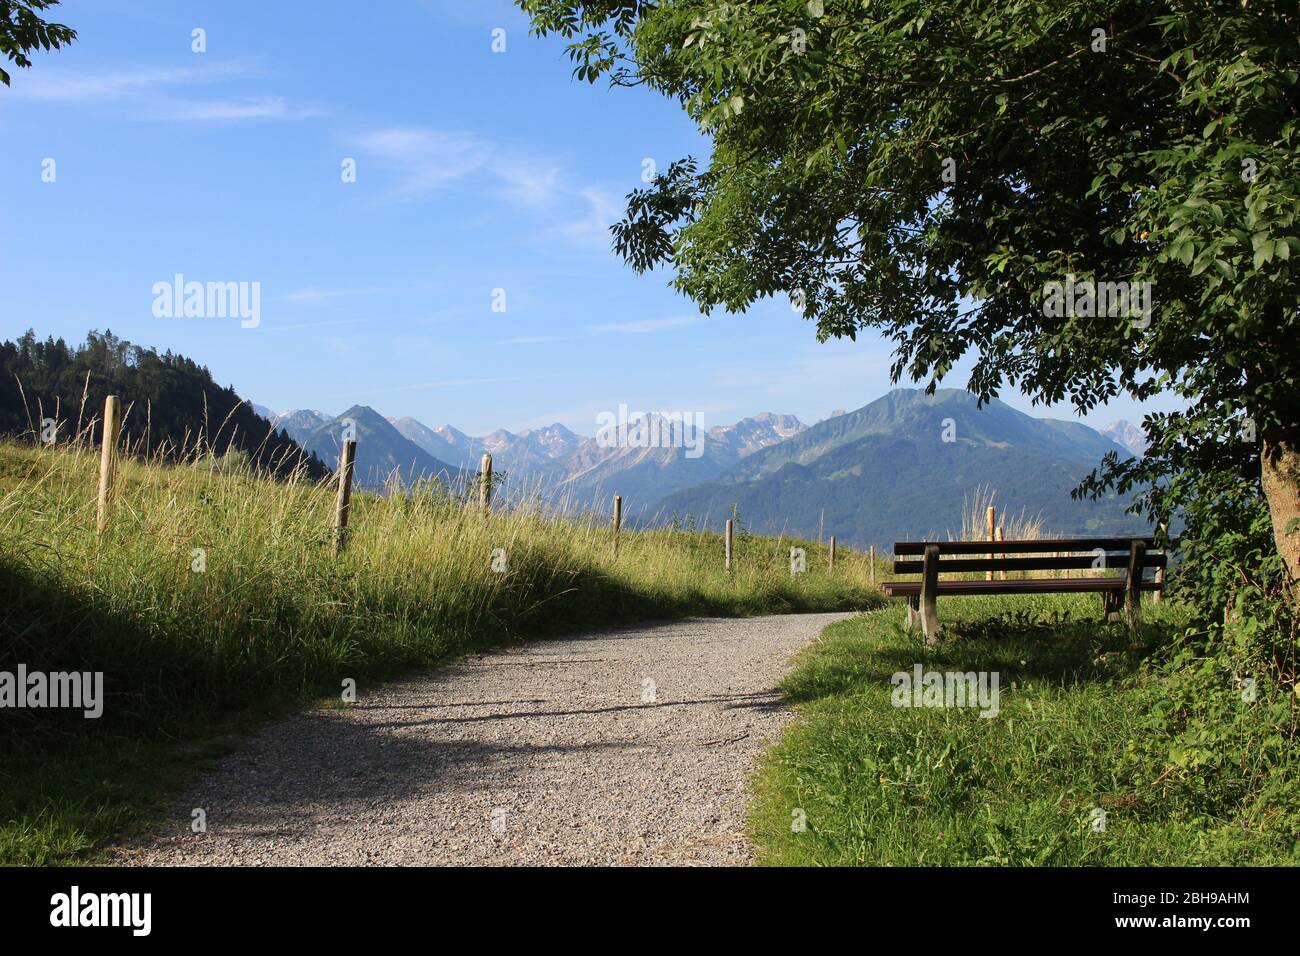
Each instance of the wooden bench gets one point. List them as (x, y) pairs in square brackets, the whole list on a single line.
[(932, 558)]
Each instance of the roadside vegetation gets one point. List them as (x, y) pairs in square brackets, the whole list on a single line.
[(1189, 763), (214, 600)]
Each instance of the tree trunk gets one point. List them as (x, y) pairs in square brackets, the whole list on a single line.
[(1280, 477)]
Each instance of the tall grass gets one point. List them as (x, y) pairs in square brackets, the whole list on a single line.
[(1015, 527), (1080, 716), (215, 598), (974, 520)]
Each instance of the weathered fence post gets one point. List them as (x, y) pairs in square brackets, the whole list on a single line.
[(347, 464), (997, 536), (873, 566), (832, 554), (618, 520), (727, 539), (992, 521), (107, 460), (485, 485), (1160, 580)]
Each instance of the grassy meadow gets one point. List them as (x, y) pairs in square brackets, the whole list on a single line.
[(1185, 769), (214, 601)]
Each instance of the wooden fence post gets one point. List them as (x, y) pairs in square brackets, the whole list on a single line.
[(107, 460), (728, 546), (991, 521), (618, 520), (1160, 580), (832, 554), (347, 464), (872, 566), (997, 536), (485, 486)]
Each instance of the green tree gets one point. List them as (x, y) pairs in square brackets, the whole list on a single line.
[(927, 168), (22, 31), (171, 407)]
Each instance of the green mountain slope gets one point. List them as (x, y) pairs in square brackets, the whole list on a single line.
[(382, 451), (903, 466)]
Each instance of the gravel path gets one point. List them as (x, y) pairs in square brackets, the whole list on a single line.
[(631, 746)]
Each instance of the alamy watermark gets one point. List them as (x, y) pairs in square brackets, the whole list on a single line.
[(624, 429), (24, 689), (76, 909), (922, 688), (1131, 300), (179, 299)]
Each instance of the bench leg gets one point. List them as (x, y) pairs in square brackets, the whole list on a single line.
[(1111, 603), (930, 595)]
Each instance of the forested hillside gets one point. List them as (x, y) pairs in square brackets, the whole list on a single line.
[(171, 407)]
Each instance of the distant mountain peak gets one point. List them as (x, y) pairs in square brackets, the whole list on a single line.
[(298, 423), (447, 432), (367, 414), (758, 431), (1127, 434), (382, 450), (555, 428)]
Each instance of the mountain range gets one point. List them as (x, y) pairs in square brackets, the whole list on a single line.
[(530, 451), (382, 451), (566, 466), (901, 466), (904, 467)]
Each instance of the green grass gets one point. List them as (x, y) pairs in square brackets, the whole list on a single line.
[(1080, 727), (192, 658)]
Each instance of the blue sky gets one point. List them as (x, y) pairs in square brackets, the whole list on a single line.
[(475, 171)]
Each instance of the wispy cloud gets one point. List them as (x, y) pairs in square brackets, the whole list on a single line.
[(152, 91), (425, 160), (647, 325), (76, 86), (253, 108), (530, 183), (591, 228)]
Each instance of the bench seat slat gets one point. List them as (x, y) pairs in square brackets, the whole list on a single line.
[(1022, 586), (1021, 547), (1081, 562)]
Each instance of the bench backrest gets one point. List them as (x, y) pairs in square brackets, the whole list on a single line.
[(1048, 554)]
